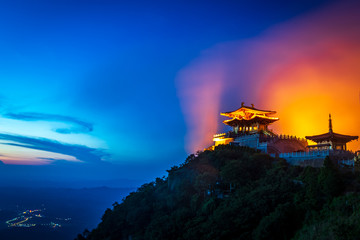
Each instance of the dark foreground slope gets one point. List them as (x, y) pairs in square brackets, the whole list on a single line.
[(238, 193)]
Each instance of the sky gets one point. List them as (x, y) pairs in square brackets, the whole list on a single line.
[(116, 92)]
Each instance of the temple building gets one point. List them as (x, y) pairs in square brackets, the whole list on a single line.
[(250, 127), (249, 119), (331, 140), (246, 121)]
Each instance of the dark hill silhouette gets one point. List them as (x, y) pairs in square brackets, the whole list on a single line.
[(238, 193)]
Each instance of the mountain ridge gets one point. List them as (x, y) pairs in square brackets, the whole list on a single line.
[(238, 193)]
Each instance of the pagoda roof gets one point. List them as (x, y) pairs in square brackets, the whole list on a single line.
[(248, 113), (331, 136), (249, 121)]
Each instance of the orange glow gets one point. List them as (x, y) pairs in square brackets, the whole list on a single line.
[(313, 73), (303, 69), (304, 105), (221, 139)]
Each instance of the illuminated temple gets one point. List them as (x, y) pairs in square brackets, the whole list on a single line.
[(250, 127), (331, 140)]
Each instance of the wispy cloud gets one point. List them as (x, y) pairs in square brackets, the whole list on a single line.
[(52, 160), (82, 153), (78, 126)]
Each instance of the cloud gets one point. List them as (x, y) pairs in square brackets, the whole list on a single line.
[(304, 69), (82, 153), (52, 160), (79, 126)]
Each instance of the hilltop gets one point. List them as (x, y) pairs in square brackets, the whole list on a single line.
[(238, 193)]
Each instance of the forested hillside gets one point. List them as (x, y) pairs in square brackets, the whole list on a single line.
[(238, 193)]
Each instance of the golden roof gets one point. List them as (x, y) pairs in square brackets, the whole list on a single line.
[(249, 113)]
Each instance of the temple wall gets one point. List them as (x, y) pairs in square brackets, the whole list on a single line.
[(318, 163), (293, 150), (224, 141), (248, 141), (278, 144), (312, 158), (305, 155), (316, 158), (287, 145)]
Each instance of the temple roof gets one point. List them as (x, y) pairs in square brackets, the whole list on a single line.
[(331, 136), (249, 113), (247, 122)]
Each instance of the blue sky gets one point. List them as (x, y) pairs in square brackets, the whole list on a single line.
[(88, 90)]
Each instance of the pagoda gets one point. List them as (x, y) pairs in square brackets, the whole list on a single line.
[(249, 119), (331, 140), (250, 129)]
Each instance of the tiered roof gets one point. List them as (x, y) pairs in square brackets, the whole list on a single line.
[(331, 136), (248, 115)]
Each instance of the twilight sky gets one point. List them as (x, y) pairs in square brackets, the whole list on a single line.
[(114, 93)]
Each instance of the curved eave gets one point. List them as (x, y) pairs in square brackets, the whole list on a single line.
[(248, 110), (332, 137), (242, 122)]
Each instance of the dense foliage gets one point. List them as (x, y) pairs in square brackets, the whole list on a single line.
[(238, 193)]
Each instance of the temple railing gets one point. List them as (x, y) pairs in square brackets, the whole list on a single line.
[(219, 135), (269, 139), (262, 137), (341, 156), (311, 154)]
